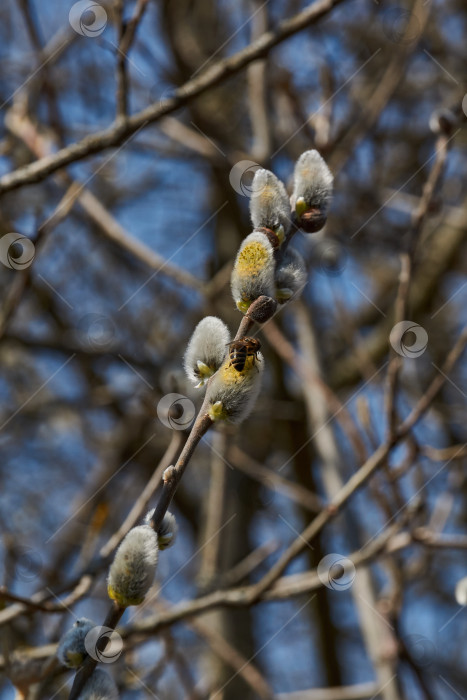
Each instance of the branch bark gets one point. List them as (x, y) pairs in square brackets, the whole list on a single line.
[(119, 133)]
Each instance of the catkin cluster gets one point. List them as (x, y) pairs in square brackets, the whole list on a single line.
[(267, 272), (234, 369), (265, 265), (131, 575)]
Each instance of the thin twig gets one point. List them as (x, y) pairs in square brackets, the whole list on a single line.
[(438, 382), (271, 479), (231, 656), (122, 72), (119, 132)]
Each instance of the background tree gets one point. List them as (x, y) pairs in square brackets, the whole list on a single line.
[(130, 135)]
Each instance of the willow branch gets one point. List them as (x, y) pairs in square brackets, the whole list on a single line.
[(120, 132)]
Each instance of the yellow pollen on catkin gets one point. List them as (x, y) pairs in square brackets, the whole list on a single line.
[(230, 375), (305, 172), (121, 599), (252, 259), (267, 195)]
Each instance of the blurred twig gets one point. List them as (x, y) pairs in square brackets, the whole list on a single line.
[(271, 479), (120, 132)]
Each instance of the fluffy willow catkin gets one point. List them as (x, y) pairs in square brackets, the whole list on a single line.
[(232, 394), (132, 571), (100, 686), (71, 650), (206, 350), (168, 530), (269, 204), (253, 272), (290, 276), (312, 191)]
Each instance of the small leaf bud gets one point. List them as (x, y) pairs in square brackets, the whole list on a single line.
[(262, 309)]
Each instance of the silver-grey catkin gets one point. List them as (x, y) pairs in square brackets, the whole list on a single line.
[(269, 203), (132, 571), (290, 276), (167, 532), (71, 650), (206, 350), (100, 686), (312, 181)]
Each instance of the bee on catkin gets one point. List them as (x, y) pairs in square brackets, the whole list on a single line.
[(312, 191), (206, 350), (234, 389), (132, 571), (253, 272), (240, 350)]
